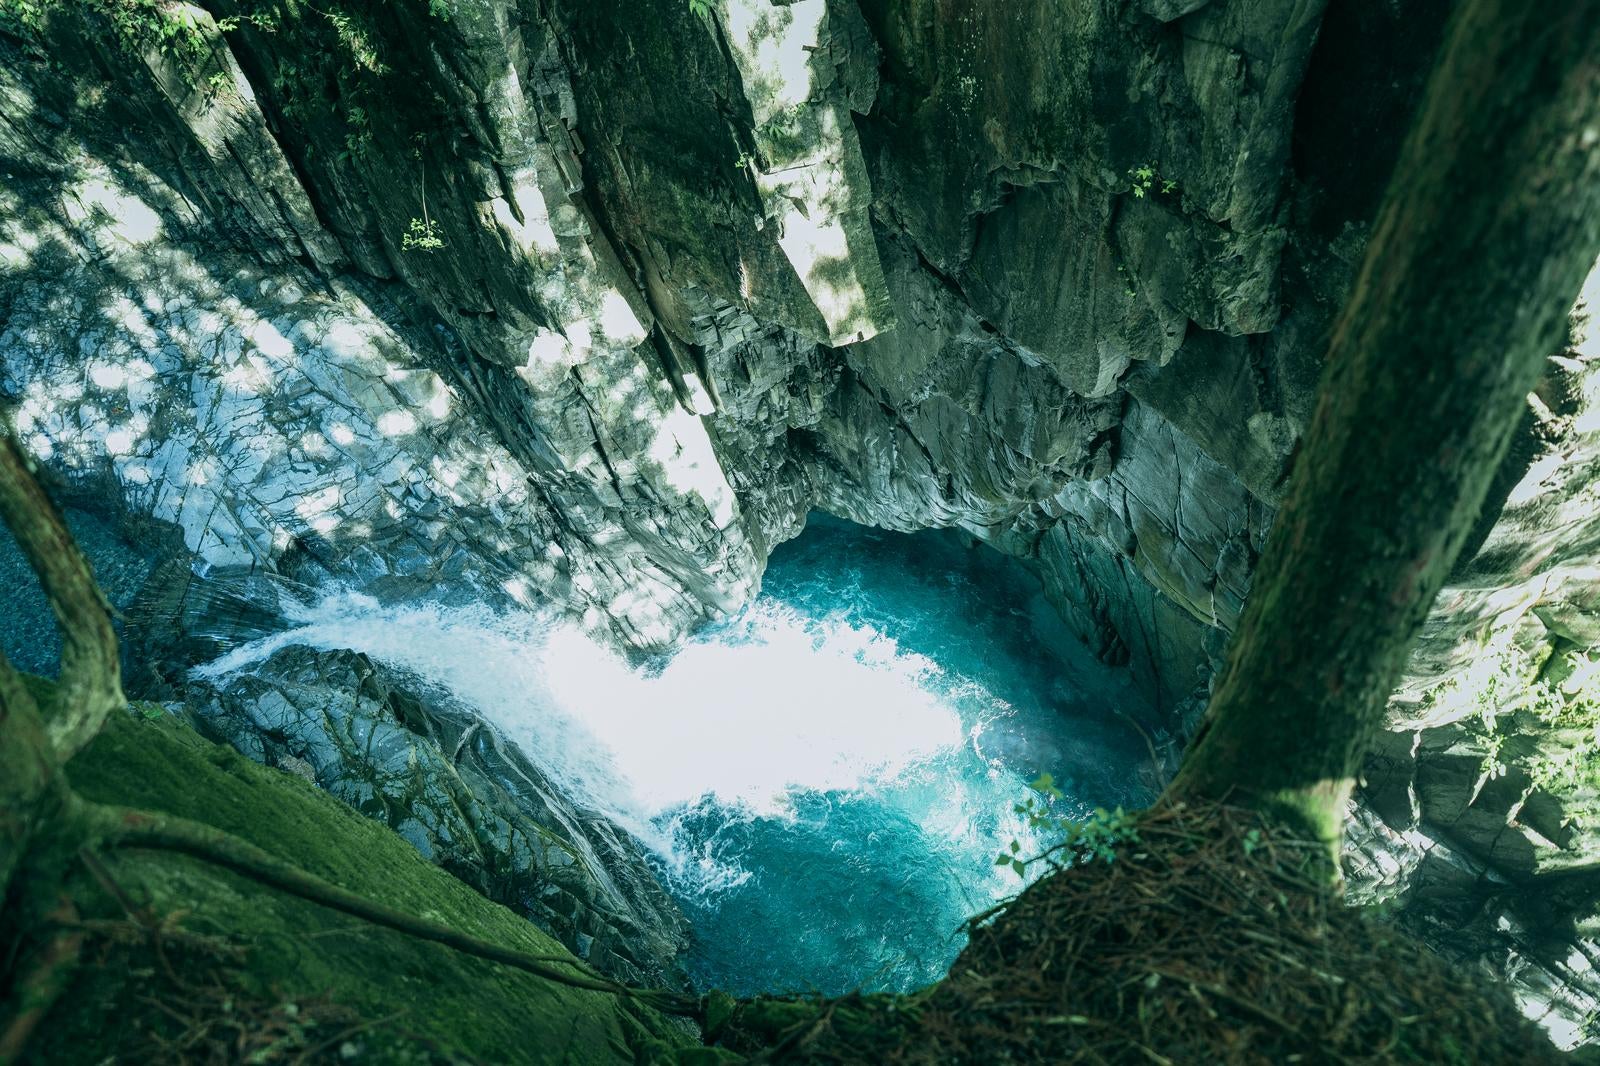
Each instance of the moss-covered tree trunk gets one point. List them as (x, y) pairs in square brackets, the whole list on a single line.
[(31, 749), (1491, 222), (91, 674)]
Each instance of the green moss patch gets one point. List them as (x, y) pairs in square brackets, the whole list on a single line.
[(179, 939)]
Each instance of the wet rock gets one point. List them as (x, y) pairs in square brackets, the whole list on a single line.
[(462, 795), (1475, 916)]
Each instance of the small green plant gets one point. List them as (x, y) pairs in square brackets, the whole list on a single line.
[(216, 83), (702, 8), (1572, 707), (1252, 841), (1493, 766), (358, 140), (1590, 1027), (422, 235), (783, 133), (1145, 180), (356, 38), (1082, 840)]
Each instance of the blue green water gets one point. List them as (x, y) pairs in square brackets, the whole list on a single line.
[(824, 782), (867, 886)]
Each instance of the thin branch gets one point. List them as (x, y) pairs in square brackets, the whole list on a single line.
[(126, 828), (90, 687)]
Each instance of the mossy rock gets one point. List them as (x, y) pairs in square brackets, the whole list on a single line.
[(414, 1000)]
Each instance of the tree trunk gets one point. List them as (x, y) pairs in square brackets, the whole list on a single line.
[(91, 674), (1491, 222), (29, 784)]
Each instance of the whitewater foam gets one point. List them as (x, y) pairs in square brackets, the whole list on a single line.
[(768, 705), (824, 782)]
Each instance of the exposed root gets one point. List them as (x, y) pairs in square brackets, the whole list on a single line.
[(121, 828), (195, 1005), (41, 981)]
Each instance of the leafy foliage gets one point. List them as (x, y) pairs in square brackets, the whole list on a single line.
[(422, 236), (1559, 710), (1572, 706), (1081, 839), (136, 24), (1145, 180)]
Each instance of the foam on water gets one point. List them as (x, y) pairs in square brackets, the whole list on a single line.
[(825, 781)]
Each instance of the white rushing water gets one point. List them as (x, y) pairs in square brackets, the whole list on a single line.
[(859, 722), (745, 718)]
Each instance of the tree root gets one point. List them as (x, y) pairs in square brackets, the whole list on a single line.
[(127, 828), (41, 983), (90, 687)]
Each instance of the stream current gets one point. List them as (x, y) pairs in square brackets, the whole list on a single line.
[(824, 782)]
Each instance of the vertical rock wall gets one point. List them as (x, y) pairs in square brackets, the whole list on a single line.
[(659, 280)]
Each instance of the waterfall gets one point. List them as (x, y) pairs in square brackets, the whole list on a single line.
[(824, 781)]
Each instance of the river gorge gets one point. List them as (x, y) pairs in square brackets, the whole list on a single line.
[(689, 469)]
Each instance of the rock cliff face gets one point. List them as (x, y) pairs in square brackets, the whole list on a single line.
[(594, 303), (589, 303), (1487, 842)]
